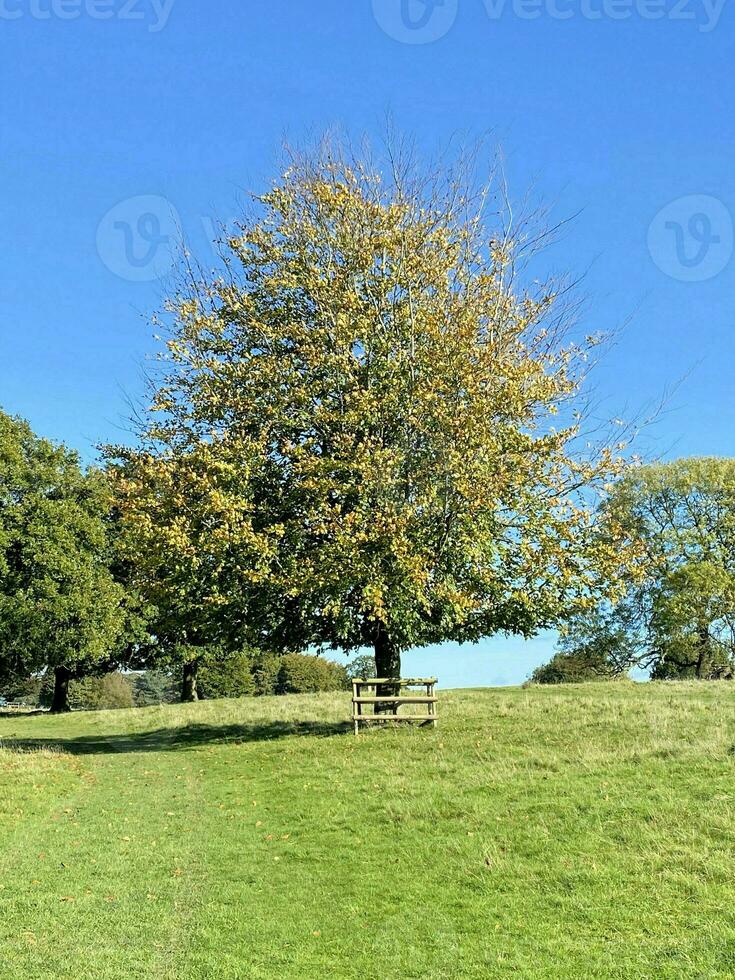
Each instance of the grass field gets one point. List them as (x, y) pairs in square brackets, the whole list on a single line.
[(560, 832)]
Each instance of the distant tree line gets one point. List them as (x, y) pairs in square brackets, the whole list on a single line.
[(246, 675)]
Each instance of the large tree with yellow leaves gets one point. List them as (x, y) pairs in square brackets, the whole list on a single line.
[(365, 433)]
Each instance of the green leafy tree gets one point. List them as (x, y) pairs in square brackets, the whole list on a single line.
[(573, 667), (21, 690), (152, 687), (692, 621), (226, 676), (361, 666), (60, 605), (111, 691), (601, 645), (301, 673), (367, 432), (678, 613)]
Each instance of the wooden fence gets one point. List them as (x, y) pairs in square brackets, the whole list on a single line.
[(362, 701)]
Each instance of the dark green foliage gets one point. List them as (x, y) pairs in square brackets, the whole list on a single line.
[(46, 693), (602, 645), (245, 673), (60, 603), (21, 690), (677, 613), (151, 687), (574, 667), (301, 673), (102, 693), (693, 657), (265, 667), (226, 676)]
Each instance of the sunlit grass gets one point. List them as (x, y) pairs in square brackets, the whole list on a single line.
[(569, 832)]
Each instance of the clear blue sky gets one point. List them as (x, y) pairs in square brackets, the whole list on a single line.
[(120, 117)]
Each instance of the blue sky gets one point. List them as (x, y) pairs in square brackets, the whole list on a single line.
[(122, 120)]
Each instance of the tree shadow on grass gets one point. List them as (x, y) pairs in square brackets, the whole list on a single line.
[(178, 739)]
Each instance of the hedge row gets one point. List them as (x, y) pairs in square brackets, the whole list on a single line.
[(243, 675)]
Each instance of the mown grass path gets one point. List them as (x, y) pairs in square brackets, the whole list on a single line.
[(576, 832)]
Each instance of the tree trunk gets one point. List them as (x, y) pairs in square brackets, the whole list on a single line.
[(60, 702), (387, 664), (189, 681), (703, 651)]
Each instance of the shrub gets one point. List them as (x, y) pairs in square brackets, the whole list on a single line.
[(265, 667), (226, 677), (574, 667), (301, 673), (101, 693), (151, 687)]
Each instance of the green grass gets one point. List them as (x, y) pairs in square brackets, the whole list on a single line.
[(562, 832)]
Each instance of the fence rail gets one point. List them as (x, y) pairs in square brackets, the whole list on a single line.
[(360, 700)]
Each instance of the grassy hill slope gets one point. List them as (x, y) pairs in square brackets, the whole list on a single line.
[(571, 832)]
